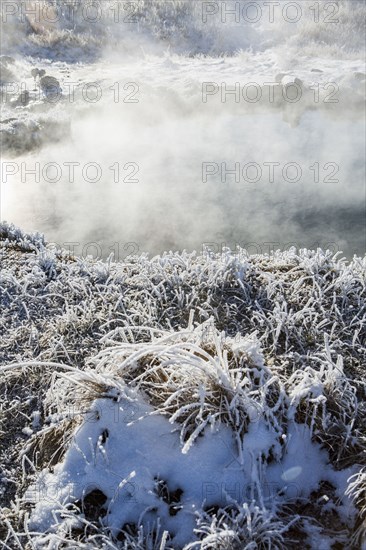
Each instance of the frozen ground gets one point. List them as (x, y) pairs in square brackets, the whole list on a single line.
[(186, 401)]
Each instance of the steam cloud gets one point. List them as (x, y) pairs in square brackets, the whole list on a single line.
[(167, 135)]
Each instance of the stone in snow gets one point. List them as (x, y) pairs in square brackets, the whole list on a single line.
[(50, 85)]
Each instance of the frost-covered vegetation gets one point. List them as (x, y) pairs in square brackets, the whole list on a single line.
[(185, 401), (63, 29)]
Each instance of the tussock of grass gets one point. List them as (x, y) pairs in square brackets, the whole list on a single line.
[(48, 447), (198, 385)]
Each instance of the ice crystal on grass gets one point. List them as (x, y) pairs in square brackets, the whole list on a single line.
[(241, 528), (215, 401)]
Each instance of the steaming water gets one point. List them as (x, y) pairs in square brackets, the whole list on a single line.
[(159, 132)]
